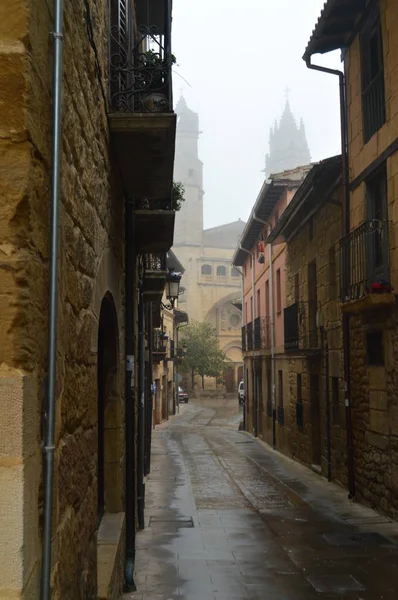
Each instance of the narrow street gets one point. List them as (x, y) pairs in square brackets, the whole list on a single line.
[(227, 518)]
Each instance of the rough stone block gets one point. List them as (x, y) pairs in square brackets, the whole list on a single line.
[(378, 421)]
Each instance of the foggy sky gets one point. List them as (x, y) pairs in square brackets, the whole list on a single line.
[(239, 57)]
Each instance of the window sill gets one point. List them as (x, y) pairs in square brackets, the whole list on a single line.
[(110, 556)]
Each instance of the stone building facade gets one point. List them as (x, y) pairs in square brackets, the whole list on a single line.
[(211, 283), (369, 252), (89, 510)]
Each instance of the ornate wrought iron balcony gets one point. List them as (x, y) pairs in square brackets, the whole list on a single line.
[(141, 59), (364, 262), (249, 336), (154, 279), (262, 333), (159, 348), (142, 121), (301, 329), (244, 344)]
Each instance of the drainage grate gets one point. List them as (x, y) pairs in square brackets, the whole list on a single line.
[(184, 522), (245, 442), (357, 539)]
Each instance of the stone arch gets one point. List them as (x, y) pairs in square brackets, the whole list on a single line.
[(224, 300), (109, 412)]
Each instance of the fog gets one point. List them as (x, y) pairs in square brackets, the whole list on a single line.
[(238, 59)]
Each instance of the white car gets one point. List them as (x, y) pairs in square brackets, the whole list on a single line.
[(241, 392)]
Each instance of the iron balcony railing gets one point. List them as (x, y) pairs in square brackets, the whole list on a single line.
[(159, 343), (155, 262), (244, 345), (262, 333), (364, 259), (301, 331), (152, 204), (249, 336), (140, 56)]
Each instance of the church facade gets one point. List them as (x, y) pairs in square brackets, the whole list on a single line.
[(211, 283)]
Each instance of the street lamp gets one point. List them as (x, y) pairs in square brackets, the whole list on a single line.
[(172, 289)]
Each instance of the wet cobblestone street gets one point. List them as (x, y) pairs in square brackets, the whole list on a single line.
[(228, 518)]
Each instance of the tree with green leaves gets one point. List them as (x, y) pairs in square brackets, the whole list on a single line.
[(202, 355)]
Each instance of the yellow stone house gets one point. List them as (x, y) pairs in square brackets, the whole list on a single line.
[(367, 34), (86, 219)]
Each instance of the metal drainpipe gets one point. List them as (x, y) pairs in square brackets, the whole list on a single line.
[(324, 334), (129, 585), (141, 417), (49, 444), (253, 317), (272, 325), (345, 231)]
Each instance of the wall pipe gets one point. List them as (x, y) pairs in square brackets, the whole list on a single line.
[(49, 443), (141, 409), (255, 403), (327, 393), (272, 325), (129, 585), (345, 231)]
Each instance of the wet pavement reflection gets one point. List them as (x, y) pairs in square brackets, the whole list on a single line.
[(228, 518)]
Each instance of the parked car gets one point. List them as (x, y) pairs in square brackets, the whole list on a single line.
[(182, 395), (241, 392)]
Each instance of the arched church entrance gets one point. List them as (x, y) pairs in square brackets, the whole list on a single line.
[(229, 379)]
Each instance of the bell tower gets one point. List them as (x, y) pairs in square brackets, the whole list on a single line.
[(189, 170)]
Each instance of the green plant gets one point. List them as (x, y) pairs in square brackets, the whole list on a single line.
[(177, 195)]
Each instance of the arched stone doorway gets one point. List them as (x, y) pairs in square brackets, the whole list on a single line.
[(110, 412)]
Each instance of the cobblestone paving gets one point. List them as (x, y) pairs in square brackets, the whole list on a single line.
[(228, 518)]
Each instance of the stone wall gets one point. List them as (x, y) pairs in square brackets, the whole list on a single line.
[(302, 250), (91, 266)]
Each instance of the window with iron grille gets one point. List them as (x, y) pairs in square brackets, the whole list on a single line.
[(278, 291), (335, 401), (280, 388), (373, 93), (299, 403), (375, 348)]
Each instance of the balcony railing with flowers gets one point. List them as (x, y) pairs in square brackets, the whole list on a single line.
[(140, 58)]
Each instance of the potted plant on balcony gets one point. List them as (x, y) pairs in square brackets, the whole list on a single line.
[(177, 195), (154, 75)]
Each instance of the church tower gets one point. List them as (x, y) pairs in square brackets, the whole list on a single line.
[(288, 146), (189, 170)]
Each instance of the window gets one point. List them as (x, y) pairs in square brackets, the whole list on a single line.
[(269, 393), (280, 386), (221, 271), (374, 348), (258, 303), (278, 291), (311, 228), (235, 272), (281, 412), (296, 288), (373, 94), (206, 270), (191, 173), (335, 401), (267, 311), (299, 404), (299, 388), (376, 209), (332, 273)]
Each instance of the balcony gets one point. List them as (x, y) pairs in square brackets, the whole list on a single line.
[(249, 336), (154, 225), (301, 330), (262, 333), (142, 121), (154, 279), (365, 271), (244, 348), (159, 348)]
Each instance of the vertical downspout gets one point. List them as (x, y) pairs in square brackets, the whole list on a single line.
[(49, 443), (272, 326), (253, 317), (129, 299), (345, 231), (141, 407)]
